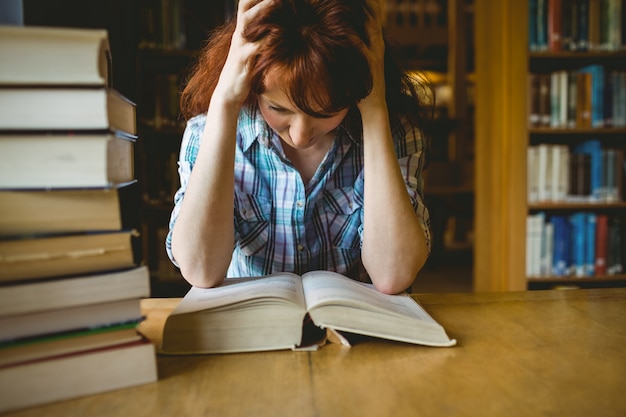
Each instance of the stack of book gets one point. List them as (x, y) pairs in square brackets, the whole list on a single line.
[(71, 278)]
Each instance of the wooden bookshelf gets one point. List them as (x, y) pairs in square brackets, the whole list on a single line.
[(503, 136)]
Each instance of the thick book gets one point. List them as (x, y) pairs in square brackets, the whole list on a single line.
[(74, 291), (65, 343), (72, 210), (269, 313), (48, 323), (40, 160), (76, 375), (66, 109), (36, 55), (46, 256)]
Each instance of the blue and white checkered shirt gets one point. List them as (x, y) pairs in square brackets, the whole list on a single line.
[(281, 224)]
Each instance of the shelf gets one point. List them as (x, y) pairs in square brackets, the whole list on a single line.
[(576, 55), (577, 206), (575, 280), (577, 131)]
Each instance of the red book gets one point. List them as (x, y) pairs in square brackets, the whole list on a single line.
[(555, 25), (602, 240)]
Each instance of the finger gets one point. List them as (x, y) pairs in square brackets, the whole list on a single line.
[(249, 9), (375, 9)]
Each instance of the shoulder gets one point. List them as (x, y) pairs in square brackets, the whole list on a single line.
[(408, 138), (196, 123)]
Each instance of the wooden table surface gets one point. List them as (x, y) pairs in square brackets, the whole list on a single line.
[(540, 353)]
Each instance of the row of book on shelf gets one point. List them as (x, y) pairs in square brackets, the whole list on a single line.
[(589, 97), (576, 25), (71, 277), (587, 172), (581, 244)]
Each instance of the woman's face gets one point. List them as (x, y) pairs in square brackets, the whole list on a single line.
[(296, 128)]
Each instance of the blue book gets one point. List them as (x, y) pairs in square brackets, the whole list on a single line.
[(607, 106), (597, 93), (590, 244), (578, 228), (542, 25), (532, 26), (560, 260)]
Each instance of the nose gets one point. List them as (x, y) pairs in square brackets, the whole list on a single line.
[(301, 131)]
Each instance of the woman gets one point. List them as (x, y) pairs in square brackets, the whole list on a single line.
[(289, 162)]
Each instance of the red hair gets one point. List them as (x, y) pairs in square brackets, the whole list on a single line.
[(315, 45)]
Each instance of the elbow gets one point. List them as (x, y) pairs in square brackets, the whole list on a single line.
[(198, 270), (201, 277), (397, 277), (394, 285)]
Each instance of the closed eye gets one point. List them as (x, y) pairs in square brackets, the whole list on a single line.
[(277, 109)]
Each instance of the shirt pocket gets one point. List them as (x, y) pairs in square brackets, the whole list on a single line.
[(342, 217), (252, 220)]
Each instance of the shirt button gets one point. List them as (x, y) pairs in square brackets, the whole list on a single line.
[(300, 247), (299, 203)]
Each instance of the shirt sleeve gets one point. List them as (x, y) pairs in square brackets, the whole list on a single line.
[(410, 150), (187, 158)]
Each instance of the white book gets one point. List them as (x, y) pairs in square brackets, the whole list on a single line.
[(547, 247), (532, 177), (543, 161)]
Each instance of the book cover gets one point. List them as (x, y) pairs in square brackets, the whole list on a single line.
[(593, 148), (74, 160), (44, 256), (35, 55), (597, 75), (602, 240), (22, 327), (578, 226), (560, 257), (555, 25), (583, 25), (583, 96), (74, 291), (24, 212), (76, 375), (66, 109), (590, 243)]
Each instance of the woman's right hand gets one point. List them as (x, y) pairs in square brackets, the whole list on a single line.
[(234, 82)]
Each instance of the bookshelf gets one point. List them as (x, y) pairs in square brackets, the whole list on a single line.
[(436, 37), (169, 34), (505, 134)]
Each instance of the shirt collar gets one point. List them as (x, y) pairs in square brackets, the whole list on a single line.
[(253, 127)]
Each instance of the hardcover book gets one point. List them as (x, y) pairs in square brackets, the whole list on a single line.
[(269, 313)]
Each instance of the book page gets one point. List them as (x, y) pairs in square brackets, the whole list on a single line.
[(325, 287), (285, 286)]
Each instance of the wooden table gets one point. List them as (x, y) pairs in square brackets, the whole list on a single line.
[(541, 353)]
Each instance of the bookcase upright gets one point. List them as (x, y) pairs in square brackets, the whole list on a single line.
[(508, 131)]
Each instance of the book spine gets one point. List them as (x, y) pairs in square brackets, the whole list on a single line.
[(590, 244), (534, 116), (533, 44), (594, 25), (601, 244), (555, 25), (583, 25)]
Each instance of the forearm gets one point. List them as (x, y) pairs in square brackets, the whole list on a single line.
[(203, 235), (394, 244)]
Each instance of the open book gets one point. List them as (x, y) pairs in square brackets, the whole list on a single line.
[(269, 313)]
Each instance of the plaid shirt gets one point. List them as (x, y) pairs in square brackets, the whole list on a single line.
[(281, 224)]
